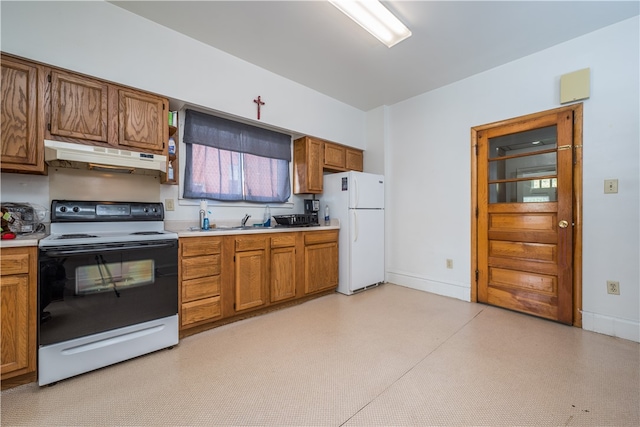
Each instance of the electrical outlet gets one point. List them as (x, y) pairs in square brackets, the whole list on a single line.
[(168, 204), (449, 263), (613, 287)]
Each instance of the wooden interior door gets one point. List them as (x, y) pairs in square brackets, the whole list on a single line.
[(525, 214)]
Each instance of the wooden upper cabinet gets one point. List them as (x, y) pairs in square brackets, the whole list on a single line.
[(354, 159), (334, 156), (91, 111), (307, 165), (22, 117), (142, 119), (79, 107), (311, 156)]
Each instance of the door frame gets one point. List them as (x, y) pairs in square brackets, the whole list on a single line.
[(577, 111)]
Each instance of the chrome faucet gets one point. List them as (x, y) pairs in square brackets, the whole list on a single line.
[(245, 219)]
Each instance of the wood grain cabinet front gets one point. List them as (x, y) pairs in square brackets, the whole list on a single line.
[(143, 120), (307, 165), (334, 156), (22, 116), (87, 110), (320, 260), (250, 276), (79, 107), (18, 284), (283, 267), (231, 277), (312, 156), (200, 280)]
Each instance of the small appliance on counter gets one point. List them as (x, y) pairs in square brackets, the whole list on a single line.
[(22, 218), (297, 220), (311, 206)]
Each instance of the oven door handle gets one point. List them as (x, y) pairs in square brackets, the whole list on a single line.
[(89, 249)]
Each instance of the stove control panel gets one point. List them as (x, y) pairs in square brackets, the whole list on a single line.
[(80, 211)]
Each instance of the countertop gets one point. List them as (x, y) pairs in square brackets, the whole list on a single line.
[(186, 229), (22, 240), (183, 229)]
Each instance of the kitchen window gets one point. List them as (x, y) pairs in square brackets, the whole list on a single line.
[(232, 161)]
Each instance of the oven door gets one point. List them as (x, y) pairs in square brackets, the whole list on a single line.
[(88, 289)]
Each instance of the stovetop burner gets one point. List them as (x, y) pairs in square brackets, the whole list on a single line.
[(87, 223), (76, 236)]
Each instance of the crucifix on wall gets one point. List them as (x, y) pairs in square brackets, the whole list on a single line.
[(260, 103)]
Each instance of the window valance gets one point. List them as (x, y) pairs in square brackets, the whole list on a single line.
[(224, 134)]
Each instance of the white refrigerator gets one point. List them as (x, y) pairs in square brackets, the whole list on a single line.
[(357, 200)]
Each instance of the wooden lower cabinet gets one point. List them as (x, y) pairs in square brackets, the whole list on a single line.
[(320, 260), (200, 267), (250, 266), (18, 284), (231, 277), (283, 267)]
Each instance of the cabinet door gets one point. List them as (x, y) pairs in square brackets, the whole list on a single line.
[(334, 156), (143, 121), (307, 166), (15, 323), (250, 279), (320, 267), (283, 273), (79, 107), (354, 160), (22, 132)]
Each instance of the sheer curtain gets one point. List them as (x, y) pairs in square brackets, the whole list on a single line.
[(231, 161)]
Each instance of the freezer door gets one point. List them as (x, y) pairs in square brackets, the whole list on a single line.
[(366, 248), (366, 191)]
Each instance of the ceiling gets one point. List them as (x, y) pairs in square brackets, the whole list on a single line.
[(314, 44)]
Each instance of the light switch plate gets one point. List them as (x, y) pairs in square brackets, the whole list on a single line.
[(610, 186)]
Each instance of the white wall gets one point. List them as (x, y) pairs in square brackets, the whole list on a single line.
[(103, 40), (428, 171)]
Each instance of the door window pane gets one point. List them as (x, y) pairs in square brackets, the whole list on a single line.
[(523, 167)]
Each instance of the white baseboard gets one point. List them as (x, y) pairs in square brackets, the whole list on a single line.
[(613, 326), (454, 290)]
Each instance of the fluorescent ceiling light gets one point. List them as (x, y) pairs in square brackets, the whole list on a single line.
[(375, 18)]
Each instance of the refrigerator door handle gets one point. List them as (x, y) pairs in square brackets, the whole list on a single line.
[(355, 226), (357, 194)]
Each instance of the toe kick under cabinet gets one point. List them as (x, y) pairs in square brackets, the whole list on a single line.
[(225, 278)]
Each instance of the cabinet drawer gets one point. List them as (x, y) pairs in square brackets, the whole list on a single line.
[(200, 288), (14, 263), (283, 240), (320, 237), (202, 266), (200, 246), (250, 243), (197, 311)]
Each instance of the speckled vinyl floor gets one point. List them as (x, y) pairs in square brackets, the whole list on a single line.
[(389, 356)]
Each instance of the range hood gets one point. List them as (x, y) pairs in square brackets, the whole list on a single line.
[(114, 160)]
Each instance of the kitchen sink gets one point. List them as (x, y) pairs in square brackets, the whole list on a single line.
[(227, 228)]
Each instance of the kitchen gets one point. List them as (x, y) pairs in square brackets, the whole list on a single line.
[(419, 238)]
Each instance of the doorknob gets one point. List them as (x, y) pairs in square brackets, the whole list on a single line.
[(563, 224)]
